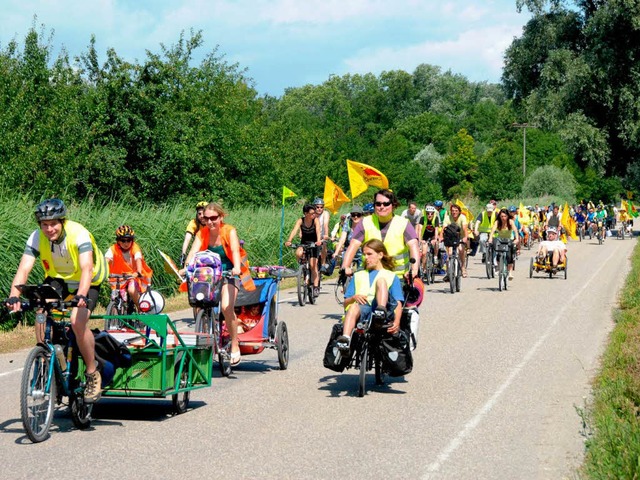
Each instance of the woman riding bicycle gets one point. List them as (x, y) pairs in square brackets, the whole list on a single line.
[(222, 239), (310, 233), (354, 218), (375, 291), (504, 228), (125, 258)]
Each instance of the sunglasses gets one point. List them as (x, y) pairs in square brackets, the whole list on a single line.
[(356, 215), (382, 204), (125, 240), (212, 218)]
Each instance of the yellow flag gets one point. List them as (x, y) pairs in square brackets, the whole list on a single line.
[(286, 193), (464, 210), (524, 214), (363, 176), (334, 197), (568, 222)]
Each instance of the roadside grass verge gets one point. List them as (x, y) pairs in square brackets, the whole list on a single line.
[(613, 449)]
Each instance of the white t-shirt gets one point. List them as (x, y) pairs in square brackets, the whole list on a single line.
[(413, 219), (553, 245)]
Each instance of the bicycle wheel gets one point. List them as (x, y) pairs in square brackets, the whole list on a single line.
[(458, 275), (501, 269), (113, 308), (488, 264), (377, 364), (452, 274), (222, 346), (282, 345), (428, 268), (203, 321), (364, 358), (302, 285), (36, 403), (80, 412), (180, 401)]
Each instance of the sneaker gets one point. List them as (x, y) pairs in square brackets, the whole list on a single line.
[(445, 278), (510, 277), (343, 343), (484, 258), (92, 388), (316, 291)]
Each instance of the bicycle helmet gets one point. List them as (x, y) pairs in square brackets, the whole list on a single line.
[(51, 209), (202, 204), (489, 207), (414, 294), (125, 231), (318, 201), (513, 209), (368, 208), (552, 230), (430, 209), (438, 204)]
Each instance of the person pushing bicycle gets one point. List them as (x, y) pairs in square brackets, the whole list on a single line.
[(73, 265)]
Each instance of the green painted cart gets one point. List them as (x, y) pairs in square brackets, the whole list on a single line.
[(164, 362)]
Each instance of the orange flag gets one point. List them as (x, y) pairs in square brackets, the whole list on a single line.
[(363, 176), (334, 197)]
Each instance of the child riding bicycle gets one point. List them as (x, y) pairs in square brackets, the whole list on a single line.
[(125, 258), (376, 292)]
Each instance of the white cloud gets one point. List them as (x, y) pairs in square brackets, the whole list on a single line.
[(475, 50)]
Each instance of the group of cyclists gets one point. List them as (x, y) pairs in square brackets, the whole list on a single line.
[(392, 246)]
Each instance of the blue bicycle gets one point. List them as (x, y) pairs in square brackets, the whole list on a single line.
[(51, 368)]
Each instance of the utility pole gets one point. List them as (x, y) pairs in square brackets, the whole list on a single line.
[(524, 127)]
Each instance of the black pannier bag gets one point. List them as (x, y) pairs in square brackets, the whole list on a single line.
[(396, 354), (331, 352), (451, 234)]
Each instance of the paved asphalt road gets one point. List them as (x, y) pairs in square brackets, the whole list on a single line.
[(497, 380)]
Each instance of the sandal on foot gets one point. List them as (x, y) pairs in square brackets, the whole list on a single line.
[(235, 358)]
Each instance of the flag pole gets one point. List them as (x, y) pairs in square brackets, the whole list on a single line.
[(281, 234)]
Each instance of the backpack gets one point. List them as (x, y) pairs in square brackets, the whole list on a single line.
[(331, 351), (451, 234), (396, 354), (110, 354)]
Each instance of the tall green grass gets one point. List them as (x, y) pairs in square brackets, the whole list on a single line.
[(157, 227), (613, 449)]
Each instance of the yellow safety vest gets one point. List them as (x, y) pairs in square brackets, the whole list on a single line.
[(485, 225), (393, 240), (72, 230), (363, 287)]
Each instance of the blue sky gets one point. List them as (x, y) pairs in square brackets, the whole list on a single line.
[(287, 43)]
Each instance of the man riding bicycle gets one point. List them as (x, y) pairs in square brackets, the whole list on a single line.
[(73, 265), (397, 234), (553, 246), (482, 227)]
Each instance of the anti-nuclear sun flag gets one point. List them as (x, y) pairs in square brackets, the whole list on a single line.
[(363, 176), (334, 197)]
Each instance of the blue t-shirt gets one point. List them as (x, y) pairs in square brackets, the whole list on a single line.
[(395, 291)]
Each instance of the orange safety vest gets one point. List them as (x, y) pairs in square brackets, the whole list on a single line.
[(121, 267), (225, 234)]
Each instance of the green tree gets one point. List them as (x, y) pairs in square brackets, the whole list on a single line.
[(460, 166)]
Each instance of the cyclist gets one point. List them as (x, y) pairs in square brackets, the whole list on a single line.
[(323, 217), (375, 291), (309, 228), (125, 258), (505, 226), (222, 239), (353, 219), (553, 219), (458, 218), (442, 212), (414, 215), (73, 265), (554, 246), (397, 234), (482, 227), (580, 218), (430, 227), (611, 216), (194, 226)]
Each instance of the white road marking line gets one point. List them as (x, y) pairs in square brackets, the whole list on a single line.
[(471, 425), (11, 371)]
